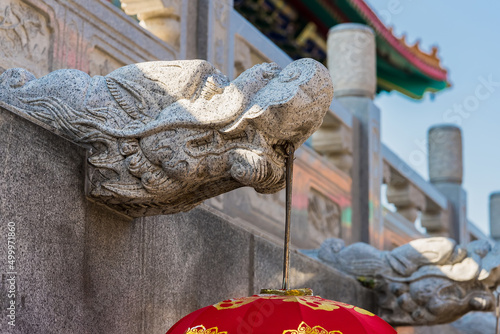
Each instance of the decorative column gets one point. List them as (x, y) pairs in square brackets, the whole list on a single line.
[(351, 60), (445, 172), (495, 216), (352, 64), (169, 20)]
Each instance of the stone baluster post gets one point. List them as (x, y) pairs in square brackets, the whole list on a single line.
[(215, 42), (169, 20), (334, 141), (407, 198), (495, 216), (352, 64), (445, 172)]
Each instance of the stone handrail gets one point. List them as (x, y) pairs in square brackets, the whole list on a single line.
[(411, 194), (399, 166)]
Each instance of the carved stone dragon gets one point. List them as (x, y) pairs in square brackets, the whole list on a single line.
[(165, 136), (425, 282)]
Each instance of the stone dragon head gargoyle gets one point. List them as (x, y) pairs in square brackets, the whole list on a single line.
[(425, 282), (164, 136)]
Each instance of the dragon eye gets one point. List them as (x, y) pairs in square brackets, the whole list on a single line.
[(289, 75), (268, 74)]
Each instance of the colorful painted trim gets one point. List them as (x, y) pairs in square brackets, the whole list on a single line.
[(436, 73)]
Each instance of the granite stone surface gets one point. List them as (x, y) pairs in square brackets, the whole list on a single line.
[(83, 268), (445, 154), (476, 323), (352, 60)]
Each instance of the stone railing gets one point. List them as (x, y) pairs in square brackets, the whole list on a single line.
[(413, 196)]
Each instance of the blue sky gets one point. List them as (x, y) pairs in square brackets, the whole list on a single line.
[(468, 36)]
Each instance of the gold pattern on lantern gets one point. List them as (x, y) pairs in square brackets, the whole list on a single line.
[(306, 329), (235, 303), (202, 330), (362, 311), (315, 303), (344, 305)]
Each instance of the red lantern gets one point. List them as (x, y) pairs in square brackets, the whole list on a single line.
[(286, 314)]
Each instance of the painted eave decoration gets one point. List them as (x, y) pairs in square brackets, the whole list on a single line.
[(300, 28)]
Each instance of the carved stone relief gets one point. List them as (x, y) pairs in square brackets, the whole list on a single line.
[(164, 136), (320, 193), (24, 37), (101, 63), (242, 57), (324, 217), (425, 282)]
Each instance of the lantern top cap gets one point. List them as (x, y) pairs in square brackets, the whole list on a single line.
[(287, 292)]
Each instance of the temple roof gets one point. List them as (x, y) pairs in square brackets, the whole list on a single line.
[(300, 28)]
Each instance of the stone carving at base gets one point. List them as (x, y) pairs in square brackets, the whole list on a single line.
[(425, 282), (24, 37), (324, 216), (164, 136)]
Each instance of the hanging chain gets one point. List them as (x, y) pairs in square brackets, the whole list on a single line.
[(288, 203)]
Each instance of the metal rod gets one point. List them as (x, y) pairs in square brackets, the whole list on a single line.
[(288, 203)]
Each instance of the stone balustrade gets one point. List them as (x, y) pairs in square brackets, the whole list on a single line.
[(412, 195), (334, 139)]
